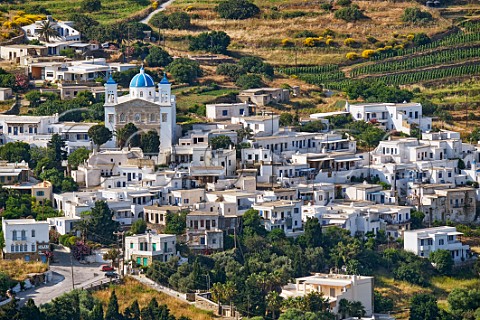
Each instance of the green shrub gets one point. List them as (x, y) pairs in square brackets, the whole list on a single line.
[(343, 3), (214, 42), (237, 9), (415, 15), (349, 14), (249, 81), (91, 5), (231, 70), (326, 6), (305, 34)]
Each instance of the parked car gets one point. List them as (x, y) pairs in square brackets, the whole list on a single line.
[(107, 268), (111, 274)]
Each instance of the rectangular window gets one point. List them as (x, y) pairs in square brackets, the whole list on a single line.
[(40, 193), (164, 117), (214, 224), (33, 248), (224, 112), (202, 224), (154, 247), (33, 233), (131, 245)]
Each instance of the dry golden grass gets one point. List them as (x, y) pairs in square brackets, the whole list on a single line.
[(262, 37), (19, 269), (132, 289)]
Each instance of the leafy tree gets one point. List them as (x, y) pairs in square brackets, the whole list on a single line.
[(256, 65), (349, 14), (419, 40), (296, 314), (214, 42), (249, 81), (101, 226), (18, 206), (128, 136), (416, 219), (381, 303), (462, 301), (176, 223), (312, 126), (231, 70), (377, 92), (112, 254), (251, 222), (443, 261), (158, 57), (286, 119), (91, 5), (415, 15), (160, 20), (179, 20), (34, 98), (312, 236), (112, 309), (409, 273), (138, 227), (77, 157), (99, 134), (220, 142), (185, 70), (15, 152), (237, 9), (150, 143), (84, 24), (47, 31), (423, 306)]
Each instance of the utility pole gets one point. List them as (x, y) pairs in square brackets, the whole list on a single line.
[(71, 268), (120, 251)]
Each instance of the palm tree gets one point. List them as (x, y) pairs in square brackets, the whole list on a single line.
[(357, 309), (274, 302), (343, 308), (218, 293), (83, 225), (229, 291), (47, 31)]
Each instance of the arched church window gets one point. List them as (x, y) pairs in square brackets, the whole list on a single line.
[(150, 93), (137, 117), (141, 94), (122, 117)]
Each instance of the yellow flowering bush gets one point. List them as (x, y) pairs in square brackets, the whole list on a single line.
[(352, 56), (349, 42)]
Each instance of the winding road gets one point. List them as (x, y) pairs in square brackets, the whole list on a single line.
[(84, 276), (162, 7)]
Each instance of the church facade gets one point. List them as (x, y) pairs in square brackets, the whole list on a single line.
[(147, 107)]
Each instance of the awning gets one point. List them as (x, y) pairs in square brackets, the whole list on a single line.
[(347, 160), (137, 195)]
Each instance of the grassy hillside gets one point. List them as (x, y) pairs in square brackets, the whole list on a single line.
[(112, 10), (132, 289)]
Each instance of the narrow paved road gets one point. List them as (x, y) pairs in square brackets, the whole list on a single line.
[(83, 274), (162, 7)]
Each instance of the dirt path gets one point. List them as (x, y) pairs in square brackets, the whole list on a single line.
[(162, 7)]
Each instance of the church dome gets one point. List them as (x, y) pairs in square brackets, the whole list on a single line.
[(142, 80)]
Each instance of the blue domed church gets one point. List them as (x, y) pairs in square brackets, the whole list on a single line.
[(146, 106)]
